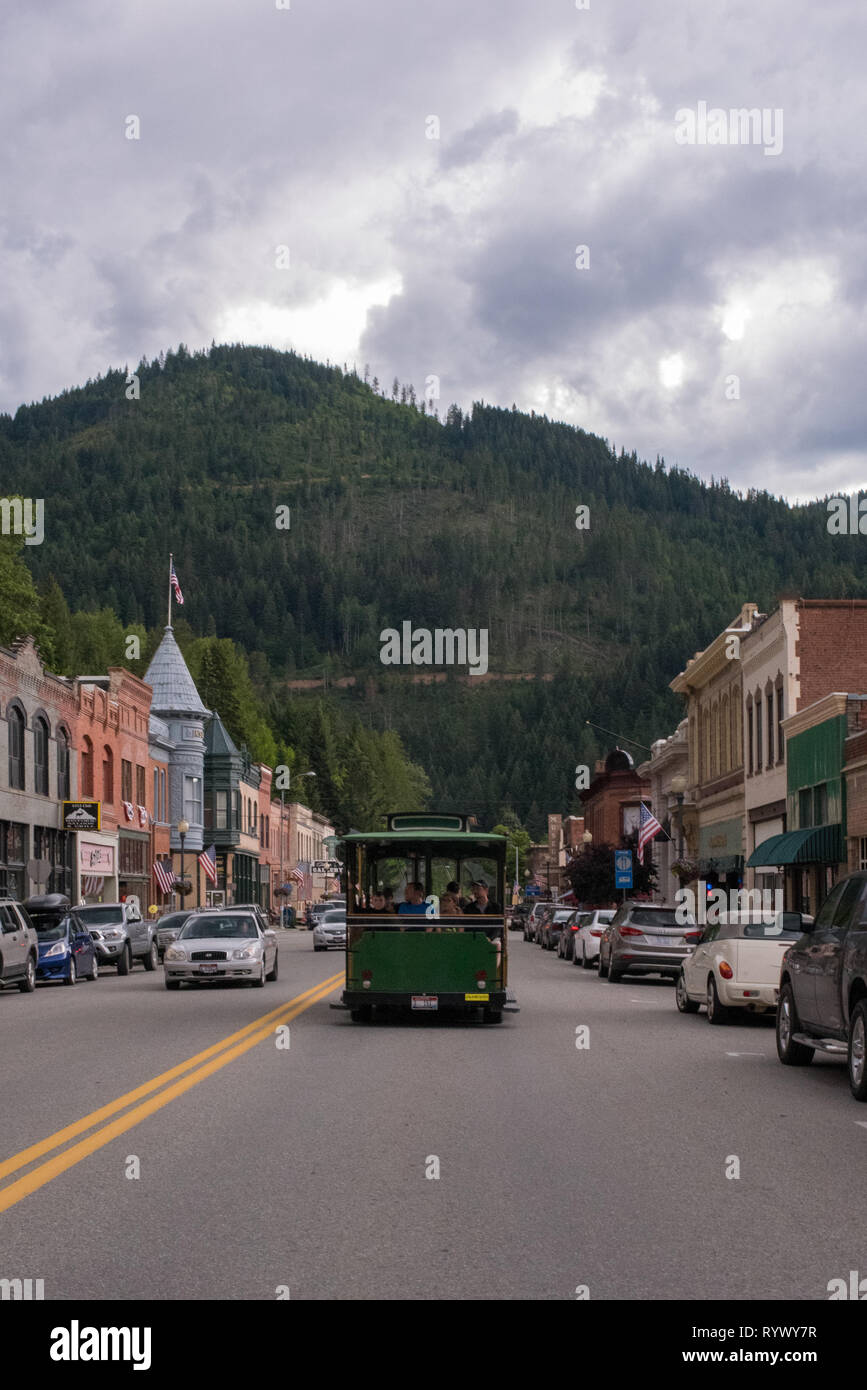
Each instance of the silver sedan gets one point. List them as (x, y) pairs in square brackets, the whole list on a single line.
[(222, 946), (330, 930)]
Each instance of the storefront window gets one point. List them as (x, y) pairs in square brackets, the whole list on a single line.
[(13, 853)]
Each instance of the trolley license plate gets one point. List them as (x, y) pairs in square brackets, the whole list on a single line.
[(425, 1001)]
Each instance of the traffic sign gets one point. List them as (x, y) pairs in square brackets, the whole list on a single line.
[(532, 890), (623, 868)]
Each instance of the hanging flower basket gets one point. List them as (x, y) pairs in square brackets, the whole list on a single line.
[(685, 869), (182, 886)]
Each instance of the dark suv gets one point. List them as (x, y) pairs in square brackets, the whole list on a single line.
[(823, 986)]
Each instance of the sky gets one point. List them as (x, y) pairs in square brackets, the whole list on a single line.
[(533, 202)]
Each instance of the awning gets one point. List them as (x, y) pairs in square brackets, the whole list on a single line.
[(821, 844)]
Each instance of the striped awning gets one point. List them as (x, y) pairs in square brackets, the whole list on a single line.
[(819, 844)]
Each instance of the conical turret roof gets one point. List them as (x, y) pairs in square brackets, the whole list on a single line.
[(173, 686)]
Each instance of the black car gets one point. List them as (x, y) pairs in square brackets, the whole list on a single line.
[(823, 986)]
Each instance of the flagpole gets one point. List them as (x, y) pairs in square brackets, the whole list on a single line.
[(171, 558)]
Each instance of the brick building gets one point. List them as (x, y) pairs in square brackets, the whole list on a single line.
[(612, 801)]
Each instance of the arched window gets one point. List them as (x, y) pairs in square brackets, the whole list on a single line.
[(64, 791), (714, 756), (15, 724), (705, 746), (86, 777), (107, 775), (40, 755), (725, 736)]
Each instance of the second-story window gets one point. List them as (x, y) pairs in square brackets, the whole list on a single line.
[(140, 785), (125, 780), (770, 712), (15, 722), (781, 744), (40, 756), (63, 788), (86, 779)]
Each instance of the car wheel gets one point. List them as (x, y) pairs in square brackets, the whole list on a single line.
[(173, 984), (318, 948), (260, 983), (124, 964), (71, 977), (601, 969), (614, 975), (151, 960), (587, 964), (94, 973), (790, 1053), (273, 974), (857, 1060), (716, 1012), (684, 1003), (28, 984)]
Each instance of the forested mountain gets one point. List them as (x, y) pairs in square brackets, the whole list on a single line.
[(466, 521)]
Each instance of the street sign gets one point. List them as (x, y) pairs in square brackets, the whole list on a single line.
[(532, 890), (623, 868), (326, 866)]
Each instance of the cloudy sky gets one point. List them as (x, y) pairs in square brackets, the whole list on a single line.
[(433, 170)]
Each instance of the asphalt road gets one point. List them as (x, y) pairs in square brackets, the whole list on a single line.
[(303, 1167)]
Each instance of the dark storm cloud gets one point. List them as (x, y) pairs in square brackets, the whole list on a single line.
[(455, 256)]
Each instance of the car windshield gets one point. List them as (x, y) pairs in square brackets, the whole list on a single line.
[(604, 916), (216, 928), (101, 916), (334, 918), (173, 920), (49, 929)]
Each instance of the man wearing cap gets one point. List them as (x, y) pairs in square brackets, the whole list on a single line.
[(481, 906)]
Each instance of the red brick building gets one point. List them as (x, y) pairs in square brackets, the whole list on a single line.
[(612, 801)]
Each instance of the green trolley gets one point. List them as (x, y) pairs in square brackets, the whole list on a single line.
[(413, 941)]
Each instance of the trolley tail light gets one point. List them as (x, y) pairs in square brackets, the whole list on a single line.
[(366, 977), (725, 970)]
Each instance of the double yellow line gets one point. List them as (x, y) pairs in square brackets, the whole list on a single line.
[(191, 1072)]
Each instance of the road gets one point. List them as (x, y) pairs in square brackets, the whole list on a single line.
[(302, 1168)]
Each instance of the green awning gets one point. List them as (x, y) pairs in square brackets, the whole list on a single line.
[(820, 844)]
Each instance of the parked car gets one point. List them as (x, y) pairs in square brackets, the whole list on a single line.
[(552, 925), (736, 965), (330, 930), (67, 951), (588, 935), (532, 922), (823, 986), (260, 913), (168, 927), (517, 916), (222, 944), (645, 939), (19, 947), (121, 934), (315, 911)]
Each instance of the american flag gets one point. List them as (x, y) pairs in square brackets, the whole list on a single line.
[(296, 876), (648, 829), (164, 875), (306, 878), (208, 861), (92, 885), (173, 580)]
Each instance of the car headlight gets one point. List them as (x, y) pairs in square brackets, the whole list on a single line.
[(246, 952), (112, 935), (176, 953), (58, 949)]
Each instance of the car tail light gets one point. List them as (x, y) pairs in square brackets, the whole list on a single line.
[(725, 970), (630, 931), (692, 935), (596, 931)]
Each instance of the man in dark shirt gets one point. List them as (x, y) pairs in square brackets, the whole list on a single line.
[(481, 905)]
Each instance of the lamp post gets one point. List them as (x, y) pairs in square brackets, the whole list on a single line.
[(283, 812), (678, 787), (587, 839), (183, 827)]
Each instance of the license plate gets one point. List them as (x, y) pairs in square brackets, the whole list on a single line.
[(669, 940), (476, 998), (208, 969), (425, 1001)]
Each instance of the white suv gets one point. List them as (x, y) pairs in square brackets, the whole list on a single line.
[(19, 947)]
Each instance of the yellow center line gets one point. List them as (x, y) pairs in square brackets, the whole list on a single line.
[(253, 1033)]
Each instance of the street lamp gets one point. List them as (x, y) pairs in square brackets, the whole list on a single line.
[(587, 839), (183, 827), (678, 787), (282, 813)]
